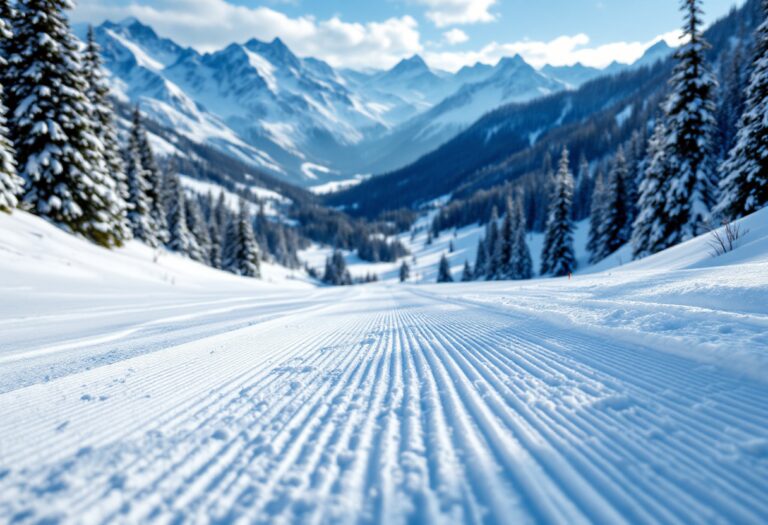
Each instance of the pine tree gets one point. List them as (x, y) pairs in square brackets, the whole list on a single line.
[(635, 154), (140, 207), (649, 229), (444, 271), (691, 123), (583, 193), (596, 243), (733, 86), (503, 250), (336, 272), (558, 257), (180, 238), (53, 126), (11, 185), (615, 231), (200, 243), (481, 260), (466, 274), (745, 172), (491, 239), (241, 253), (405, 272), (217, 227), (521, 264), (153, 177), (9, 46), (106, 130)]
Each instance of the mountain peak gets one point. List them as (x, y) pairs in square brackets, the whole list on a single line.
[(275, 51), (512, 61), (130, 21), (414, 63), (277, 43), (660, 46)]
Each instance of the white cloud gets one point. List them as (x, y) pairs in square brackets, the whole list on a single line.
[(564, 50), (455, 36), (209, 25), (453, 12)]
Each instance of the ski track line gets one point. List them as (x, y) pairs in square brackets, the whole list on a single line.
[(758, 480), (162, 374), (522, 409), (389, 405), (152, 380), (194, 464), (146, 338), (220, 412)]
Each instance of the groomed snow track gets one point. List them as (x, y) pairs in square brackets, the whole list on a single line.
[(389, 405)]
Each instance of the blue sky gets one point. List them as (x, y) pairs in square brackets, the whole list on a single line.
[(448, 33)]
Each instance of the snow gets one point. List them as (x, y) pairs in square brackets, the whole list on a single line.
[(136, 390), (337, 185), (231, 199), (311, 170), (624, 115), (264, 68), (142, 58), (424, 269)]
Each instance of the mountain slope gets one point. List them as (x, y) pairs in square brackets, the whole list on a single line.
[(636, 395), (513, 141), (511, 80), (299, 118)]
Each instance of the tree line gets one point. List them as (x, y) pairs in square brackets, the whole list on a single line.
[(701, 163), (61, 159)]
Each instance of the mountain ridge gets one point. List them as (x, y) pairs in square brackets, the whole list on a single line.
[(300, 119)]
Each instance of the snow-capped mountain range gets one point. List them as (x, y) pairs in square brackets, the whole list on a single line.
[(303, 120)]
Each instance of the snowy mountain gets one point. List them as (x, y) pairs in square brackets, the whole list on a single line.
[(299, 118), (576, 75), (511, 80)]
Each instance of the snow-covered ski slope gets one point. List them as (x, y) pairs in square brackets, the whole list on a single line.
[(636, 395)]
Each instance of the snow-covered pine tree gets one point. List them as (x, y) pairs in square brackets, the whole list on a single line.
[(558, 257), (615, 231), (11, 185), (733, 87), (153, 176), (241, 253), (466, 273), (583, 194), (53, 127), (649, 229), (106, 130), (635, 155), (218, 219), (336, 272), (691, 125), (405, 272), (503, 250), (139, 205), (329, 275), (491, 239), (596, 243), (444, 271), (481, 260), (180, 238), (744, 186), (8, 47), (200, 248), (521, 265)]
